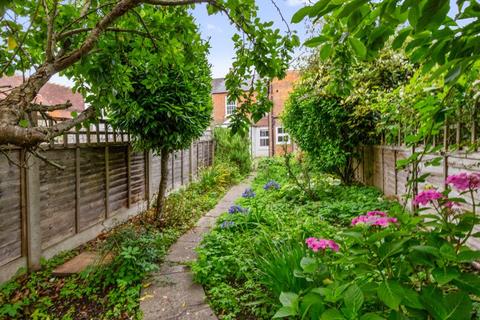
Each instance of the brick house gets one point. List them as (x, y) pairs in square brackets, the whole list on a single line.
[(267, 135), (50, 94)]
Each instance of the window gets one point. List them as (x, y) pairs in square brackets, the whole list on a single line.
[(282, 136), (231, 105), (264, 139)]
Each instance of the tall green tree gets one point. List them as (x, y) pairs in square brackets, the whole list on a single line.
[(157, 90), (52, 37)]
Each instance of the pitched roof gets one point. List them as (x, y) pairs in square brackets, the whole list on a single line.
[(218, 86), (50, 94)]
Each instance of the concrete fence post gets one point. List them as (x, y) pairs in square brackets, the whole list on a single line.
[(34, 236)]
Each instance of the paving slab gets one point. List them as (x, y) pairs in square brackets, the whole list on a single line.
[(170, 293), (79, 263)]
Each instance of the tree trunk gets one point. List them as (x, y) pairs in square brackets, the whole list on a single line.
[(162, 188)]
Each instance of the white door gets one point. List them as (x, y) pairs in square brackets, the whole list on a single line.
[(261, 142)]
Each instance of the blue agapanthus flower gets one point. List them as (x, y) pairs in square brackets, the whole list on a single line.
[(227, 224), (248, 193), (237, 209), (271, 185)]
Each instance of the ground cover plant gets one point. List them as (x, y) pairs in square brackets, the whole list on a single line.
[(349, 254), (112, 291)]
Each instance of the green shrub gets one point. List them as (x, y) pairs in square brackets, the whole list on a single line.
[(233, 149)]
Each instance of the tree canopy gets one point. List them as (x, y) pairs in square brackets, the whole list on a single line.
[(423, 27), (48, 37)]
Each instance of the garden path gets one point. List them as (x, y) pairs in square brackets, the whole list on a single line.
[(170, 293)]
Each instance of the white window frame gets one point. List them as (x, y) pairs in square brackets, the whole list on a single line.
[(260, 137), (227, 105), (282, 135)]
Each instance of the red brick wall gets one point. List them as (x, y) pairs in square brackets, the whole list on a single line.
[(219, 107)]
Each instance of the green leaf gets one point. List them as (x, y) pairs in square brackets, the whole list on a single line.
[(445, 275), (411, 298), (284, 312), (351, 7), (301, 14), (308, 264), (401, 37), (332, 314), (468, 256), (433, 13), (469, 282), (353, 298), (11, 43), (325, 51), (371, 316), (426, 249), (289, 299), (390, 292), (358, 47), (459, 306), (453, 74), (316, 41), (24, 123)]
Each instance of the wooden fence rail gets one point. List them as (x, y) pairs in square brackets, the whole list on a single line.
[(45, 210)]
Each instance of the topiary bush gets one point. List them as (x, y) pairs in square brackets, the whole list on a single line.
[(234, 149)]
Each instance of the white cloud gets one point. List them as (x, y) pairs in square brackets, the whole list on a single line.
[(296, 3), (213, 27)]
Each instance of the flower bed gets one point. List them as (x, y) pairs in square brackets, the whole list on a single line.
[(349, 255)]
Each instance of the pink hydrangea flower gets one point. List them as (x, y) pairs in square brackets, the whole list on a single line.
[(464, 181), (427, 196), (374, 218), (323, 244), (376, 213)]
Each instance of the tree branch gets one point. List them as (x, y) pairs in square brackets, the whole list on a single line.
[(85, 8), (63, 126), (83, 30), (50, 29), (44, 108), (145, 27), (83, 16), (42, 157)]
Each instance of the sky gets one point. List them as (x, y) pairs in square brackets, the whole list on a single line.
[(217, 29)]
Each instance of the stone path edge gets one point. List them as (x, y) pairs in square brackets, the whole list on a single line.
[(170, 293)]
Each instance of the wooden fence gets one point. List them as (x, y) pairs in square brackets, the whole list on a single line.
[(377, 167), (45, 210)]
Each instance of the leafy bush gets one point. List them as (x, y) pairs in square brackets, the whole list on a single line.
[(252, 255), (329, 115), (233, 149)]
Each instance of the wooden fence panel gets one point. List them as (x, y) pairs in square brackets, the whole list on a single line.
[(137, 177), (57, 197), (389, 172), (117, 193), (92, 188), (10, 209), (178, 170), (102, 179), (377, 168)]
